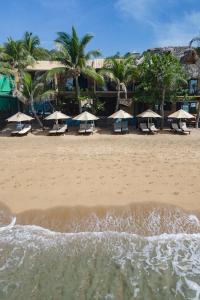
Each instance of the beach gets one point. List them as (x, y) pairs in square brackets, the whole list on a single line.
[(111, 215), (42, 172)]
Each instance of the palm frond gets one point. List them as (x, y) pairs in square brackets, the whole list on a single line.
[(93, 54), (55, 71), (91, 73)]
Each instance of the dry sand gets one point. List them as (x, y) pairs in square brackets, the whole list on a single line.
[(41, 172)]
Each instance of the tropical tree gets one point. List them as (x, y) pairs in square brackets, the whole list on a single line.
[(31, 43), (161, 76), (15, 56), (32, 90), (72, 53), (122, 72)]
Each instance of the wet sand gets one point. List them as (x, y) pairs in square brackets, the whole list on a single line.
[(41, 172)]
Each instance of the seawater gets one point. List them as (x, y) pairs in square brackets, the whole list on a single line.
[(105, 262)]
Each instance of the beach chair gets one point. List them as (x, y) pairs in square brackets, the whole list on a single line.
[(184, 127), (176, 129), (82, 128), (143, 127), (62, 130), (117, 127), (89, 128), (153, 128), (54, 129), (25, 130), (125, 126), (18, 128)]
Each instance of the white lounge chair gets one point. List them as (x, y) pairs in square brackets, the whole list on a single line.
[(25, 130), (54, 129), (18, 128), (143, 127), (117, 127), (125, 126), (89, 128), (176, 129), (82, 128), (153, 128), (62, 130), (184, 127)]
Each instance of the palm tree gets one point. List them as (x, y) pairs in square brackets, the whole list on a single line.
[(161, 76), (34, 89), (31, 44), (72, 53), (121, 71), (14, 54)]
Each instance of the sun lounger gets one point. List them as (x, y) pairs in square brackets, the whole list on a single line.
[(125, 127), (184, 128), (117, 127), (18, 128), (153, 128), (82, 128), (54, 129), (25, 130), (62, 130), (89, 128), (143, 127), (176, 129)]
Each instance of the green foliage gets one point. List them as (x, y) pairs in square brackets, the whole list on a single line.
[(160, 72), (34, 88), (72, 49), (72, 53), (98, 106), (120, 70), (31, 43)]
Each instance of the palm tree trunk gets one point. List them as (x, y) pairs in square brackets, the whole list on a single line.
[(162, 108), (78, 94), (198, 115), (118, 98), (94, 97), (34, 111)]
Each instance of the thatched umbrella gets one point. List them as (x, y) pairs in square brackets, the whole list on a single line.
[(180, 114), (20, 117), (85, 116), (121, 114), (149, 114), (57, 115)]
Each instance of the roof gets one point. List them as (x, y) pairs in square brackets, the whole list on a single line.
[(45, 65)]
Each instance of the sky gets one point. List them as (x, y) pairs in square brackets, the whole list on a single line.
[(117, 25)]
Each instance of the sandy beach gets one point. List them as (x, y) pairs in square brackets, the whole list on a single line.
[(41, 172)]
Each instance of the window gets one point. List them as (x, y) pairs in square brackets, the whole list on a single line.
[(193, 86), (69, 84)]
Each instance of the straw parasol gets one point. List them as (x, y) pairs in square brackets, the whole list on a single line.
[(181, 114), (149, 114), (20, 117), (85, 116), (57, 115), (121, 114)]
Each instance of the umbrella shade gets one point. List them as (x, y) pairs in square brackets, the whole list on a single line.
[(19, 117), (181, 114), (121, 114), (57, 115), (149, 114), (86, 116)]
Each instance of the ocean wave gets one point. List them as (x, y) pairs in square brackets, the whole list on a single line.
[(37, 263), (127, 253)]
